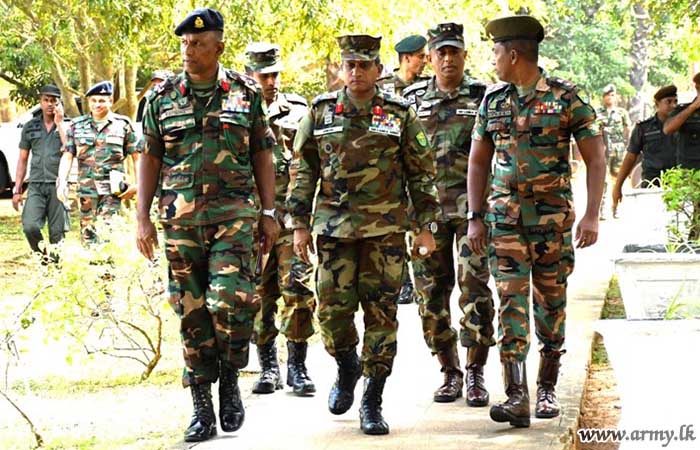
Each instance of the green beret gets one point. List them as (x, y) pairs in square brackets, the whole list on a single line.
[(665, 92), (445, 34), (410, 44), (263, 57), (201, 20), (609, 89), (359, 47), (51, 90), (515, 27)]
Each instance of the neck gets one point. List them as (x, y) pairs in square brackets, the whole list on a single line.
[(662, 116), (100, 117), (360, 97), (527, 76), (48, 118), (406, 74), (269, 100), (448, 84), (209, 75)]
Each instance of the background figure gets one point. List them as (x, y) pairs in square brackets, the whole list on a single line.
[(44, 137), (285, 274), (685, 120)]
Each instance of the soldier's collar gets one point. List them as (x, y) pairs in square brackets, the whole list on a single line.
[(542, 85), (222, 81), (279, 105), (348, 106), (434, 92)]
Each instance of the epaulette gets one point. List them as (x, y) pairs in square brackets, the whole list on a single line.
[(561, 83), (245, 80), (393, 98), (161, 87), (477, 89), (296, 99), (126, 119), (385, 77), (80, 119), (325, 97), (647, 120), (416, 86)]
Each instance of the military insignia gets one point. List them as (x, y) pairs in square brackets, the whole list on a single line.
[(236, 102), (328, 118), (548, 108), (421, 139), (495, 114), (329, 130), (466, 112), (390, 87), (385, 124), (198, 22), (173, 95), (328, 147)]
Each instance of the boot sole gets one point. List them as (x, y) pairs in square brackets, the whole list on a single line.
[(308, 392), (546, 416), (267, 389), (477, 403), (374, 432), (498, 415), (200, 439), (446, 399)]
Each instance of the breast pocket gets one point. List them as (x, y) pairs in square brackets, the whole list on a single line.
[(545, 130), (175, 125), (499, 130), (84, 142)]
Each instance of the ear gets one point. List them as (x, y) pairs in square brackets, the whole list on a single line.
[(380, 68), (513, 57), (220, 48)]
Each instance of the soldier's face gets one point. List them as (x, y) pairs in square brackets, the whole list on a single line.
[(48, 104), (270, 83), (415, 62), (610, 99), (666, 105), (359, 76), (502, 62), (448, 62), (99, 105), (200, 52)]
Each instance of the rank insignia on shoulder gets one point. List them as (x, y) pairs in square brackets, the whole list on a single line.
[(236, 102), (421, 139), (385, 123), (390, 87)]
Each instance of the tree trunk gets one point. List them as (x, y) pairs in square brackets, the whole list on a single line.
[(640, 58), (132, 103), (70, 107)]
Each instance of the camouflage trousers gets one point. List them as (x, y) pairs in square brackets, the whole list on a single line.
[(92, 207), (546, 254), (367, 272), (211, 290), (285, 275), (435, 279)]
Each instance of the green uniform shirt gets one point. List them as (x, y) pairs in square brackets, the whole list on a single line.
[(364, 159), (393, 84), (45, 147), (688, 139), (206, 150), (531, 179), (448, 119)]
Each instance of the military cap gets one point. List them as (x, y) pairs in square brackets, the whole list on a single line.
[(666, 91), (410, 44), (515, 27), (101, 88), (51, 90), (161, 74), (263, 57), (201, 20), (359, 47), (446, 34), (609, 89)]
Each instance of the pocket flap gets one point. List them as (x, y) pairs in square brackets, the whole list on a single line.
[(175, 181)]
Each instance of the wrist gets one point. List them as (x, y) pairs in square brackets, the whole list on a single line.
[(475, 215), (269, 212)]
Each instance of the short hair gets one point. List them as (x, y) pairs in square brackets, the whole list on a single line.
[(696, 78), (527, 48)]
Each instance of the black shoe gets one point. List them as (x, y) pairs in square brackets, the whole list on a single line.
[(203, 424), (342, 393), (371, 420), (270, 379), (231, 410), (297, 377)]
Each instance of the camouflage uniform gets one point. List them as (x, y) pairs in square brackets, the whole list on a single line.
[(285, 273), (531, 206), (613, 123), (100, 148), (394, 84), (365, 159), (207, 209), (448, 119)]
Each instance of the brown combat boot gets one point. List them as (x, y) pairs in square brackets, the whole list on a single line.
[(477, 395), (547, 404), (451, 388), (515, 410)]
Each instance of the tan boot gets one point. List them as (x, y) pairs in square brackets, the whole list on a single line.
[(451, 388), (547, 404), (515, 410), (477, 395)]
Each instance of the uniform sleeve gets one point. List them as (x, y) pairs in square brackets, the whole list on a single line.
[(479, 132), (261, 136), (419, 165), (152, 139), (24, 142), (133, 142), (70, 141), (306, 166), (626, 122), (582, 120), (635, 144)]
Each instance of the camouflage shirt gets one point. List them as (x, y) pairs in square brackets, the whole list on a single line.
[(393, 84), (206, 150), (100, 148), (531, 179), (364, 159), (613, 123), (448, 119), (688, 136)]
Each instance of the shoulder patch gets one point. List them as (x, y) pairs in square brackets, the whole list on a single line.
[(416, 86), (163, 86), (82, 118), (561, 83), (124, 118), (296, 99), (498, 87), (328, 96), (245, 80)]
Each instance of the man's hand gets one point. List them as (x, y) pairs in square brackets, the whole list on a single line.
[(269, 228), (696, 104), (587, 232), (146, 238), (61, 190), (17, 201), (129, 193), (423, 244), (58, 114), (477, 236), (616, 199), (303, 244)]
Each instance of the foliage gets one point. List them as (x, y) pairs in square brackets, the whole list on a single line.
[(682, 196)]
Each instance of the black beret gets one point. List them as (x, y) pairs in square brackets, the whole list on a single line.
[(666, 91), (201, 20), (101, 88), (51, 90), (515, 27), (410, 44)]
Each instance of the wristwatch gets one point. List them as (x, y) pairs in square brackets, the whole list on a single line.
[(471, 215), (15, 191), (272, 213), (431, 226)]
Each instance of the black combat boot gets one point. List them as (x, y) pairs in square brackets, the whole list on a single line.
[(371, 420), (516, 409), (477, 395), (297, 377), (547, 405), (231, 410), (270, 378), (203, 424), (343, 391), (451, 388)]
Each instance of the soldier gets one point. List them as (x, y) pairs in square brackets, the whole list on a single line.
[(446, 106), (648, 138), (412, 58), (685, 120), (615, 124), (285, 274), (101, 140), (365, 147), (206, 138), (528, 121), (43, 136)]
